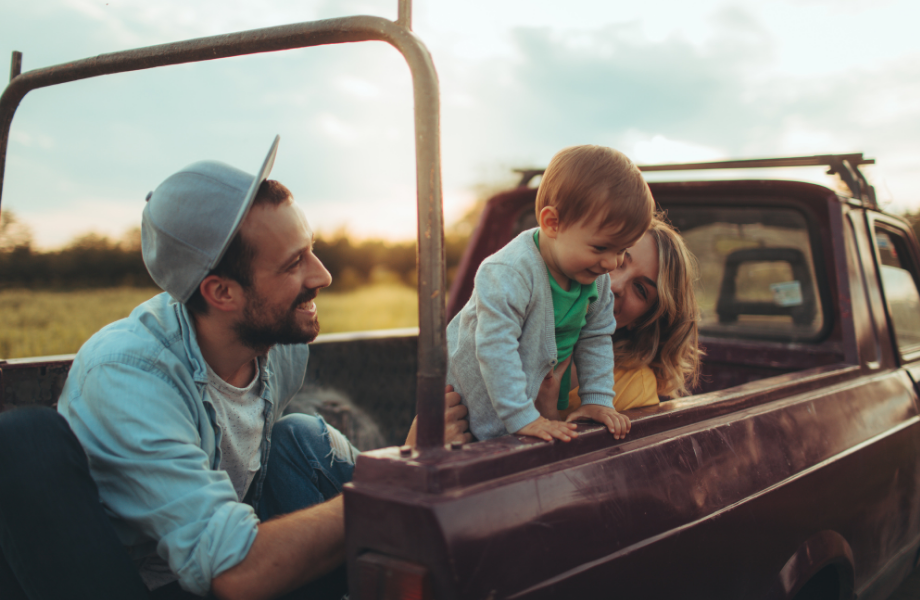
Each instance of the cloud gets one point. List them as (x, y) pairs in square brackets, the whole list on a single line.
[(661, 150), (619, 82), (336, 130), (344, 114), (616, 84), (674, 99), (660, 80), (602, 86), (360, 88), (45, 142)]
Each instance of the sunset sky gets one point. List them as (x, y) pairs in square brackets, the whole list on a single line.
[(661, 80)]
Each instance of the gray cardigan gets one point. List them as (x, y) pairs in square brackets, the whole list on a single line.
[(503, 343)]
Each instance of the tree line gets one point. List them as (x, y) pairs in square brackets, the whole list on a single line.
[(93, 260)]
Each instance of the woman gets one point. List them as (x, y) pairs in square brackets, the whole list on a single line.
[(656, 345)]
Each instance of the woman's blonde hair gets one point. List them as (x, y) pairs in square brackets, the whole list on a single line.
[(666, 337)]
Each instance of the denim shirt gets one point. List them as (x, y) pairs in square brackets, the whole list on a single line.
[(136, 398)]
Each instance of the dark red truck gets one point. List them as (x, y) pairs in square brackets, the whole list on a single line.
[(793, 472)]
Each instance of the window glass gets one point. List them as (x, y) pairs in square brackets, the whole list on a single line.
[(900, 291), (757, 275), (754, 279)]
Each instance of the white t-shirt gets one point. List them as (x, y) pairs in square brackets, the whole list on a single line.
[(241, 417)]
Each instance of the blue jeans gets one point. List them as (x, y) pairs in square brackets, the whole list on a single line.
[(307, 465), (57, 542)]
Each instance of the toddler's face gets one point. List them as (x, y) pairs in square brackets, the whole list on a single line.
[(584, 251)]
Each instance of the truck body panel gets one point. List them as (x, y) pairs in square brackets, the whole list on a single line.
[(795, 461)]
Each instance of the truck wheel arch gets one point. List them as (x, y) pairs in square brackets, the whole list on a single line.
[(821, 560)]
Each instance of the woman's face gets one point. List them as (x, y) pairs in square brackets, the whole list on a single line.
[(635, 282)]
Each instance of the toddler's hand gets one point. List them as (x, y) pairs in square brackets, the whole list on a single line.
[(618, 424), (545, 429)]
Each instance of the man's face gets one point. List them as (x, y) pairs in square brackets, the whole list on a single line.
[(286, 276)]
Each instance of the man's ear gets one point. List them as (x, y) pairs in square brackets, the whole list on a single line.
[(549, 221), (222, 293)]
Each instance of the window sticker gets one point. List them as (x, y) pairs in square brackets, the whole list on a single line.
[(787, 293)]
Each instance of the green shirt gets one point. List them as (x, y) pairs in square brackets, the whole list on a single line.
[(569, 310)]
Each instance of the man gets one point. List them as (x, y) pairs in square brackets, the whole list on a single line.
[(178, 407)]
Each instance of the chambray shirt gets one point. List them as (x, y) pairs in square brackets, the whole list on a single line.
[(137, 399)]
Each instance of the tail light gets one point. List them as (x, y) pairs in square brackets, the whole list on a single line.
[(385, 578)]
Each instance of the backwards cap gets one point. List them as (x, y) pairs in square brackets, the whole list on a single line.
[(191, 218)]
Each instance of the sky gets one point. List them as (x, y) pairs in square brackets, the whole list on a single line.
[(661, 80)]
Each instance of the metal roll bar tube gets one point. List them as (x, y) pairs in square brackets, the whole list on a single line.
[(432, 343)]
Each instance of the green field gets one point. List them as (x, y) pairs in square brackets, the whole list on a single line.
[(43, 323)]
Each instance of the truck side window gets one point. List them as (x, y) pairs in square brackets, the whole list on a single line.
[(900, 289), (757, 273)]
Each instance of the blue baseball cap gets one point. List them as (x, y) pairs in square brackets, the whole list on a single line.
[(191, 217)]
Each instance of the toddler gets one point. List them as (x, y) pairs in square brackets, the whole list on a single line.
[(546, 296)]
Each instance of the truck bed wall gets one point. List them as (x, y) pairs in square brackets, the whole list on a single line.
[(372, 375), (691, 475)]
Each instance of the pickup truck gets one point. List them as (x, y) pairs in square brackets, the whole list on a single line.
[(792, 472)]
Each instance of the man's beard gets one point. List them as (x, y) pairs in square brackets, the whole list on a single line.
[(261, 328)]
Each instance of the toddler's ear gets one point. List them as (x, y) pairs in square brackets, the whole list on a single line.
[(549, 221)]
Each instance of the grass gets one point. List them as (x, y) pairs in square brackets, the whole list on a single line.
[(45, 323), (378, 306)]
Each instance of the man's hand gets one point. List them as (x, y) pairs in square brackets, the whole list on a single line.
[(456, 426), (547, 398), (617, 423), (545, 429)]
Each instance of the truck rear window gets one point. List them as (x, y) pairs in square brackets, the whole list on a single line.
[(757, 276)]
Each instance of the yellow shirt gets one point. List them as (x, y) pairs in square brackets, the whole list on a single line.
[(633, 388)]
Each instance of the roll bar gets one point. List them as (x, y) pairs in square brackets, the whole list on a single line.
[(844, 165), (432, 343)]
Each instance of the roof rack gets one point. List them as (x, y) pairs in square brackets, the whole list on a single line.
[(846, 166)]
